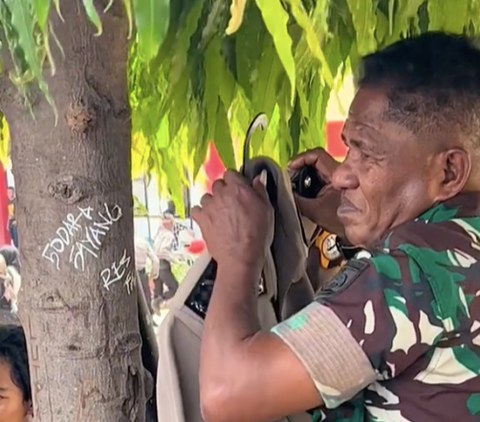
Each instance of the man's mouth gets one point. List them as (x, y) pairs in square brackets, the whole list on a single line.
[(346, 207)]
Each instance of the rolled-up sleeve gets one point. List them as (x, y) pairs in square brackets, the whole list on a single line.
[(375, 319)]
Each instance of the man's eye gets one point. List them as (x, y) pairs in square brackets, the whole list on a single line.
[(364, 155)]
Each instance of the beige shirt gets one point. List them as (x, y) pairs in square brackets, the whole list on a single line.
[(143, 253), (163, 244)]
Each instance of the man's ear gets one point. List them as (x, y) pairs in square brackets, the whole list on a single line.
[(456, 165)]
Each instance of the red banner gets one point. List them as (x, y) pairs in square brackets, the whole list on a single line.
[(4, 234)]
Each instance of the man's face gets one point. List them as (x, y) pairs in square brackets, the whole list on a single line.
[(167, 224), (12, 406), (386, 177), (10, 193)]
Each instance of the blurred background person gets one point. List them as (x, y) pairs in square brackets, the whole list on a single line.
[(164, 245), (147, 266), (10, 283)]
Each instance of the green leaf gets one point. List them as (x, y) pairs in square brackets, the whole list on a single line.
[(249, 41), (179, 101), (364, 22), (57, 8), (182, 45), (241, 111), (224, 80), (222, 139), (151, 19), (276, 19), (175, 177), (474, 13), (23, 23), (41, 8), (217, 122), (237, 10), (139, 210), (197, 137), (391, 9), (313, 41), (93, 15), (381, 31), (407, 10), (128, 10), (163, 134), (448, 15), (265, 88), (211, 91)]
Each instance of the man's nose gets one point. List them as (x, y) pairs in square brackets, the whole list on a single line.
[(344, 178)]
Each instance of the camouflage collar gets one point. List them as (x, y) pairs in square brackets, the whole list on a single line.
[(464, 205), (461, 206)]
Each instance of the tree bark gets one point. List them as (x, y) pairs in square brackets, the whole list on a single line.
[(75, 220)]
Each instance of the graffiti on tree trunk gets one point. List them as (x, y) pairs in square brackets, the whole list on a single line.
[(117, 272), (81, 235)]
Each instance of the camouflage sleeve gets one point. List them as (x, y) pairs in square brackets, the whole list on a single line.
[(376, 318)]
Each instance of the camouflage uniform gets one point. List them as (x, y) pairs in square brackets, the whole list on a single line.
[(396, 336)]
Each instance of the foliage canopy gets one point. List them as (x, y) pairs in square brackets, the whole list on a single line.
[(199, 70)]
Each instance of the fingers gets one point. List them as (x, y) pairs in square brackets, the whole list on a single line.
[(217, 186), (225, 185), (206, 199), (307, 158), (318, 158), (234, 177), (196, 214)]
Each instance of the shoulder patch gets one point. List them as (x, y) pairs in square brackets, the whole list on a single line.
[(344, 278)]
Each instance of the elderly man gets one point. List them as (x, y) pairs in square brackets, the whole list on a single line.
[(395, 336)]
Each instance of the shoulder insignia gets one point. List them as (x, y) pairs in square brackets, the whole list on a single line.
[(343, 279)]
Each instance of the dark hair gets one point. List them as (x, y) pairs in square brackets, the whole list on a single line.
[(13, 352), (433, 83), (11, 255)]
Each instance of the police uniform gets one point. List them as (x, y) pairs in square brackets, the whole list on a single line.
[(395, 337)]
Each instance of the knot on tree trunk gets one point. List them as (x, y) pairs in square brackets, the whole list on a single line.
[(69, 189), (79, 118)]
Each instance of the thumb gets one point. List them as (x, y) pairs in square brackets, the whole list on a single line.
[(259, 185)]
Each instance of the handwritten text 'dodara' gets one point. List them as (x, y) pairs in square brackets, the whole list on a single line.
[(80, 235)]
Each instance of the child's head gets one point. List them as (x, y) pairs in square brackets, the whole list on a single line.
[(15, 391)]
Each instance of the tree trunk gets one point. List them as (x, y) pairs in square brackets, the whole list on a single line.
[(74, 211)]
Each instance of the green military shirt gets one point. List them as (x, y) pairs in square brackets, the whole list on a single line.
[(396, 336)]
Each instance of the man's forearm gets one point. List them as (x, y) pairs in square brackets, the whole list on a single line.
[(232, 318), (232, 314)]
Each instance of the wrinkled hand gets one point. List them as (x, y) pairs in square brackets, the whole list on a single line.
[(322, 210), (236, 221)]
